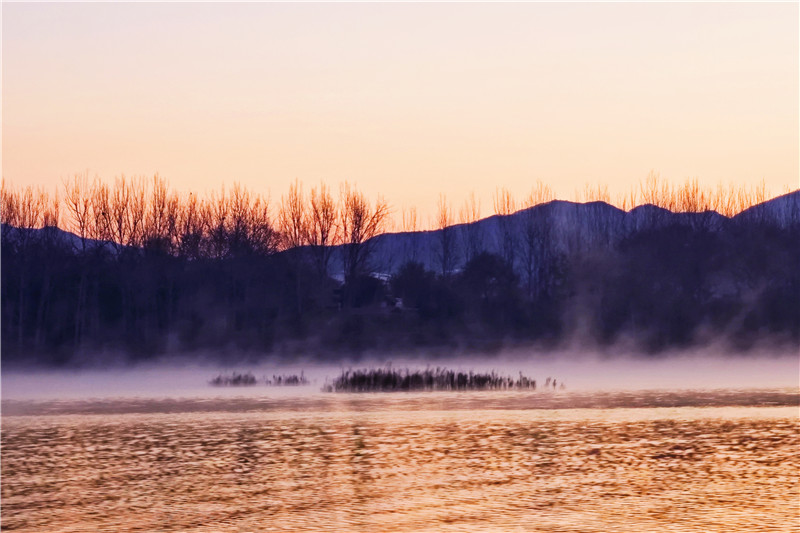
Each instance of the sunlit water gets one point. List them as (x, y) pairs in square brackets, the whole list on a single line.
[(724, 460)]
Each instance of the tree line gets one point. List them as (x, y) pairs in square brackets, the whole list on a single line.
[(145, 212), (150, 271)]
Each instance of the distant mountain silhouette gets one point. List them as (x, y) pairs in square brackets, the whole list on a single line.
[(782, 211), (572, 225), (55, 235)]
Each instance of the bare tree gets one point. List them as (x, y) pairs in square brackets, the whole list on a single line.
[(78, 199), (50, 241), (263, 237), (626, 201), (215, 213), (159, 228), (593, 193), (293, 217), (693, 199), (504, 207), (9, 206), (410, 220), (236, 224), (410, 224), (118, 227), (359, 223), (191, 228), (31, 207), (172, 217), (51, 211), (321, 227), (25, 210), (100, 226), (471, 231), (655, 191), (446, 237), (536, 238), (239, 221), (293, 222), (137, 211), (78, 196)]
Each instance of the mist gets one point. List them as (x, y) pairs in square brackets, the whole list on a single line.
[(578, 370)]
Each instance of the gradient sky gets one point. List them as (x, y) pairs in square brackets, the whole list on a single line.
[(406, 100)]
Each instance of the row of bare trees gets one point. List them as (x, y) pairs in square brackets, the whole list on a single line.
[(137, 222), (526, 244), (317, 221), (146, 214), (687, 197), (137, 213), (31, 207)]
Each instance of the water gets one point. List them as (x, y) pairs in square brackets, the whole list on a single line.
[(661, 460)]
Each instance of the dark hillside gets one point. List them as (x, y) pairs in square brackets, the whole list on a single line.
[(574, 271)]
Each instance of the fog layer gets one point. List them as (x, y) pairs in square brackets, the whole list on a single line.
[(578, 371)]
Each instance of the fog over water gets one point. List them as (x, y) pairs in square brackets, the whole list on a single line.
[(578, 371)]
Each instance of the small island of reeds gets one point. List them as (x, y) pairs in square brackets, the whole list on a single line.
[(286, 380), (247, 379), (438, 379), (234, 380)]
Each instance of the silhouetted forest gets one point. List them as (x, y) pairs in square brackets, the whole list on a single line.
[(145, 273)]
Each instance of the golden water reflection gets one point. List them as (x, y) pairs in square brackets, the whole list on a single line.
[(571, 470)]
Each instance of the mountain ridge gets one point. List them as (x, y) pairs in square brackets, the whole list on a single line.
[(571, 223)]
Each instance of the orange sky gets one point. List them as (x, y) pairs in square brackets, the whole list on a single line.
[(406, 100)]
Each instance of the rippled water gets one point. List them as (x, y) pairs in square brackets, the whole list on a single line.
[(654, 461)]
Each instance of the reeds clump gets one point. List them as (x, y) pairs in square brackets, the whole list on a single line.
[(438, 379), (234, 380), (286, 380), (243, 380)]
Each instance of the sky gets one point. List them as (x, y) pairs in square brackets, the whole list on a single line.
[(405, 100)]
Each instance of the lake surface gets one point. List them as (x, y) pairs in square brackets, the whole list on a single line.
[(571, 461)]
